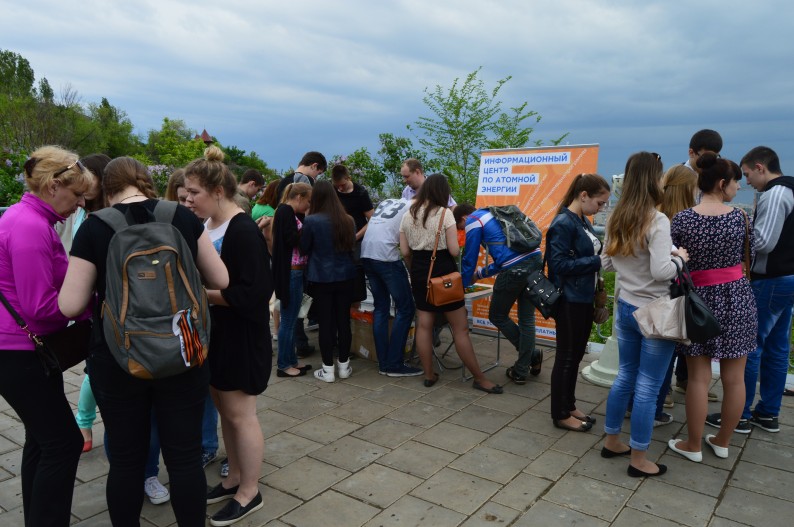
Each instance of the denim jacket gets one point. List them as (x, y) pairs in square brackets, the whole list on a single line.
[(573, 263), (325, 263)]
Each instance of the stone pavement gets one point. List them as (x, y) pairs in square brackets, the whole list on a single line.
[(379, 451)]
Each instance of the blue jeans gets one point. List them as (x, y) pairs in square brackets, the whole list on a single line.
[(389, 280), (664, 389), (643, 365), (774, 298), (511, 285), (287, 357), (209, 426)]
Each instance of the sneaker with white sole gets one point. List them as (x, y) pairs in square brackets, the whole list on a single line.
[(764, 422), (155, 491), (715, 420), (662, 419), (403, 371), (208, 457)]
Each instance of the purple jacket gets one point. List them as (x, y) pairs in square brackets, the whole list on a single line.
[(32, 267)]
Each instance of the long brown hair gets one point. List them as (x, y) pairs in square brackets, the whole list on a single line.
[(636, 207), (678, 190), (325, 201), (433, 193), (269, 195)]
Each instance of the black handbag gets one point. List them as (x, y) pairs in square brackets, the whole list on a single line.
[(61, 350), (701, 324), (542, 292)]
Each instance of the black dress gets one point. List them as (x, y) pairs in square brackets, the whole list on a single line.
[(240, 345)]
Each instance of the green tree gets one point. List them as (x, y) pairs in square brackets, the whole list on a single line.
[(394, 150), (173, 144), (466, 119), (110, 131)]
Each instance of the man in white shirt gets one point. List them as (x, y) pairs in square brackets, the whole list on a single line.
[(388, 279), (413, 175)]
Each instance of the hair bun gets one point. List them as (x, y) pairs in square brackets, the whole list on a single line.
[(213, 153), (707, 160)]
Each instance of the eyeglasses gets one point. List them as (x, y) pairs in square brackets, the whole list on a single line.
[(77, 164), (657, 156)]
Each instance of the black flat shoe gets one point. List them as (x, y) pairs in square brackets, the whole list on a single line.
[(584, 427), (282, 373), (607, 453), (495, 389), (590, 419), (233, 512), (431, 382), (637, 473), (218, 493), (305, 367)]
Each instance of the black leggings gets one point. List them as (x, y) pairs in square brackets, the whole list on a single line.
[(126, 403), (574, 321), (53, 442), (332, 302)]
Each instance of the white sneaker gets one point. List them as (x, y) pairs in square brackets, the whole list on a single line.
[(326, 373), (155, 490), (345, 370)]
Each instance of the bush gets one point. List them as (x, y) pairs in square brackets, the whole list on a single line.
[(12, 179)]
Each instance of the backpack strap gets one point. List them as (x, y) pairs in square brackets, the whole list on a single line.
[(113, 217), (164, 211)]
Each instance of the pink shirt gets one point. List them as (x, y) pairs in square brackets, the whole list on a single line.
[(297, 257), (32, 268)]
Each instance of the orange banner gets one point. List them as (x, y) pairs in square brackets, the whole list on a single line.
[(534, 179)]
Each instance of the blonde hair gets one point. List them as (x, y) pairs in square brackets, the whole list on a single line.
[(212, 173), (294, 190), (636, 207), (47, 161), (678, 190)]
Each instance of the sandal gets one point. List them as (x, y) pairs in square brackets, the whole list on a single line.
[(431, 382)]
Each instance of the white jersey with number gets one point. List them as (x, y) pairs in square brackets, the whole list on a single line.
[(382, 238)]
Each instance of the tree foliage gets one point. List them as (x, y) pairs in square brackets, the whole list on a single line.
[(467, 119)]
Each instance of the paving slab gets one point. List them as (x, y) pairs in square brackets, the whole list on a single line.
[(417, 459), (452, 437), (547, 513), (755, 509), (306, 478), (481, 418), (409, 511), (673, 503), (393, 395), (769, 454), (331, 508), (420, 414), (768, 481), (362, 411), (521, 492), (448, 398), (629, 517), (388, 432), (349, 453), (519, 442), (378, 485), (324, 428), (456, 490), (589, 496), (551, 465), (491, 514), (491, 464)]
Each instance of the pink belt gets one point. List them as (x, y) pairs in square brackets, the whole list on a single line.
[(716, 276)]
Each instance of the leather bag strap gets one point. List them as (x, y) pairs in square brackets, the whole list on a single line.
[(435, 247)]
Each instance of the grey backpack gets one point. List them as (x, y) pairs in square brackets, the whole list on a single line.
[(521, 233), (155, 315)]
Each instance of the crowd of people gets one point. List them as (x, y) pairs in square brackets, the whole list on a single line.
[(324, 242)]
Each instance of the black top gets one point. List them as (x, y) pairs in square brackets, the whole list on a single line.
[(780, 261), (240, 345), (93, 237), (573, 262), (356, 203)]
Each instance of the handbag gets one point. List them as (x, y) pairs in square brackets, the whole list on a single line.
[(600, 311), (61, 350), (663, 318), (446, 289), (542, 292), (701, 324)]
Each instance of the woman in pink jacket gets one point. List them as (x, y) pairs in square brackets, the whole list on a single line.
[(32, 268)]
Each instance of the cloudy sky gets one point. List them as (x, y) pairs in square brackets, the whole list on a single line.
[(284, 77)]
